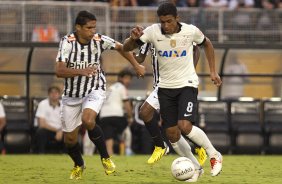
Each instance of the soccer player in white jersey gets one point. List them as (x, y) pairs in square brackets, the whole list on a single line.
[(78, 61), (178, 80), (151, 105)]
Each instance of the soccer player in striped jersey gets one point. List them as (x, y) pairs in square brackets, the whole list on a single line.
[(151, 105), (178, 81), (78, 61)]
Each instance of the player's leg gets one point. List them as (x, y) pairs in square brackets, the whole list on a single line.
[(91, 106), (188, 101), (169, 112), (146, 113), (71, 121)]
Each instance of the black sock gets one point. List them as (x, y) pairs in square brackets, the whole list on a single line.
[(97, 137), (154, 130), (74, 153)]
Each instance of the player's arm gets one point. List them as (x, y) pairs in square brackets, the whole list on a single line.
[(140, 69), (2, 123), (43, 124), (62, 71), (128, 109), (196, 55), (209, 52), (133, 41)]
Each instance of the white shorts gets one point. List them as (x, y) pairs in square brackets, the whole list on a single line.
[(72, 108), (153, 99)]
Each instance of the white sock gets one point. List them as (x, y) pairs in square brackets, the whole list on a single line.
[(199, 137), (182, 148)]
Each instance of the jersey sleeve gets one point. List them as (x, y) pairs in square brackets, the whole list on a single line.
[(124, 93), (148, 35), (107, 43), (64, 50), (144, 49), (40, 110), (199, 37)]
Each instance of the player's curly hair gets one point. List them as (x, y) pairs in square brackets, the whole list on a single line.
[(167, 8), (83, 17)]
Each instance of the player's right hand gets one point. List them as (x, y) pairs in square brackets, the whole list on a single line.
[(89, 71), (136, 32), (140, 70)]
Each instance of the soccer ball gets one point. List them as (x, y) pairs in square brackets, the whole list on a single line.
[(182, 168)]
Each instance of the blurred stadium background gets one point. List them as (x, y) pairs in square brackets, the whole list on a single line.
[(252, 122)]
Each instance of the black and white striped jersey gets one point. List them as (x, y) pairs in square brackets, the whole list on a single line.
[(154, 60), (78, 56)]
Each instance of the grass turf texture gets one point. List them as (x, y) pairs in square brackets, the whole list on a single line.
[(48, 169)]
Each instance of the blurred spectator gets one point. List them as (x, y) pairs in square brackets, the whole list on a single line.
[(280, 4), (266, 4), (45, 31), (116, 3), (2, 126), (238, 4), (233, 87), (241, 20), (112, 115), (266, 17), (49, 122), (193, 3), (147, 2), (215, 3)]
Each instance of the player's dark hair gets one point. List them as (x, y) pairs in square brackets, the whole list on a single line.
[(51, 88), (83, 17), (167, 8), (125, 72)]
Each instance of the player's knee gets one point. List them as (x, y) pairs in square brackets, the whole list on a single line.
[(185, 126), (145, 116), (70, 141), (88, 123), (173, 134)]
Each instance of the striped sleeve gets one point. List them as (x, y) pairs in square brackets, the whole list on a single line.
[(144, 49), (107, 42), (64, 50)]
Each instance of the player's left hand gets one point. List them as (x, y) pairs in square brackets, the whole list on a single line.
[(140, 70), (215, 79)]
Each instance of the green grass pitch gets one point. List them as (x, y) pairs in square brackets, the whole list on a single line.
[(49, 169)]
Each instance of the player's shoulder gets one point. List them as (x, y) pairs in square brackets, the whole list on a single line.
[(100, 37), (44, 102), (187, 27), (70, 37)]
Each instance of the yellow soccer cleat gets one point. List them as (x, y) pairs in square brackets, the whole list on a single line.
[(202, 155), (76, 172), (108, 165), (157, 154)]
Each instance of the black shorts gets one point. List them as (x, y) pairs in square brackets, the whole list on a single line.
[(113, 126), (177, 104)]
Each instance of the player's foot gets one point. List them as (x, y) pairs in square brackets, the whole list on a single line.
[(202, 155), (196, 176), (157, 154), (108, 165), (76, 172), (216, 164)]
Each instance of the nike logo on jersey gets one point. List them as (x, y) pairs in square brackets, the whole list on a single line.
[(160, 40), (187, 115)]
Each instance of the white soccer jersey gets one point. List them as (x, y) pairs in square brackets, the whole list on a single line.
[(175, 54), (49, 113), (113, 105), (78, 56), (2, 112)]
